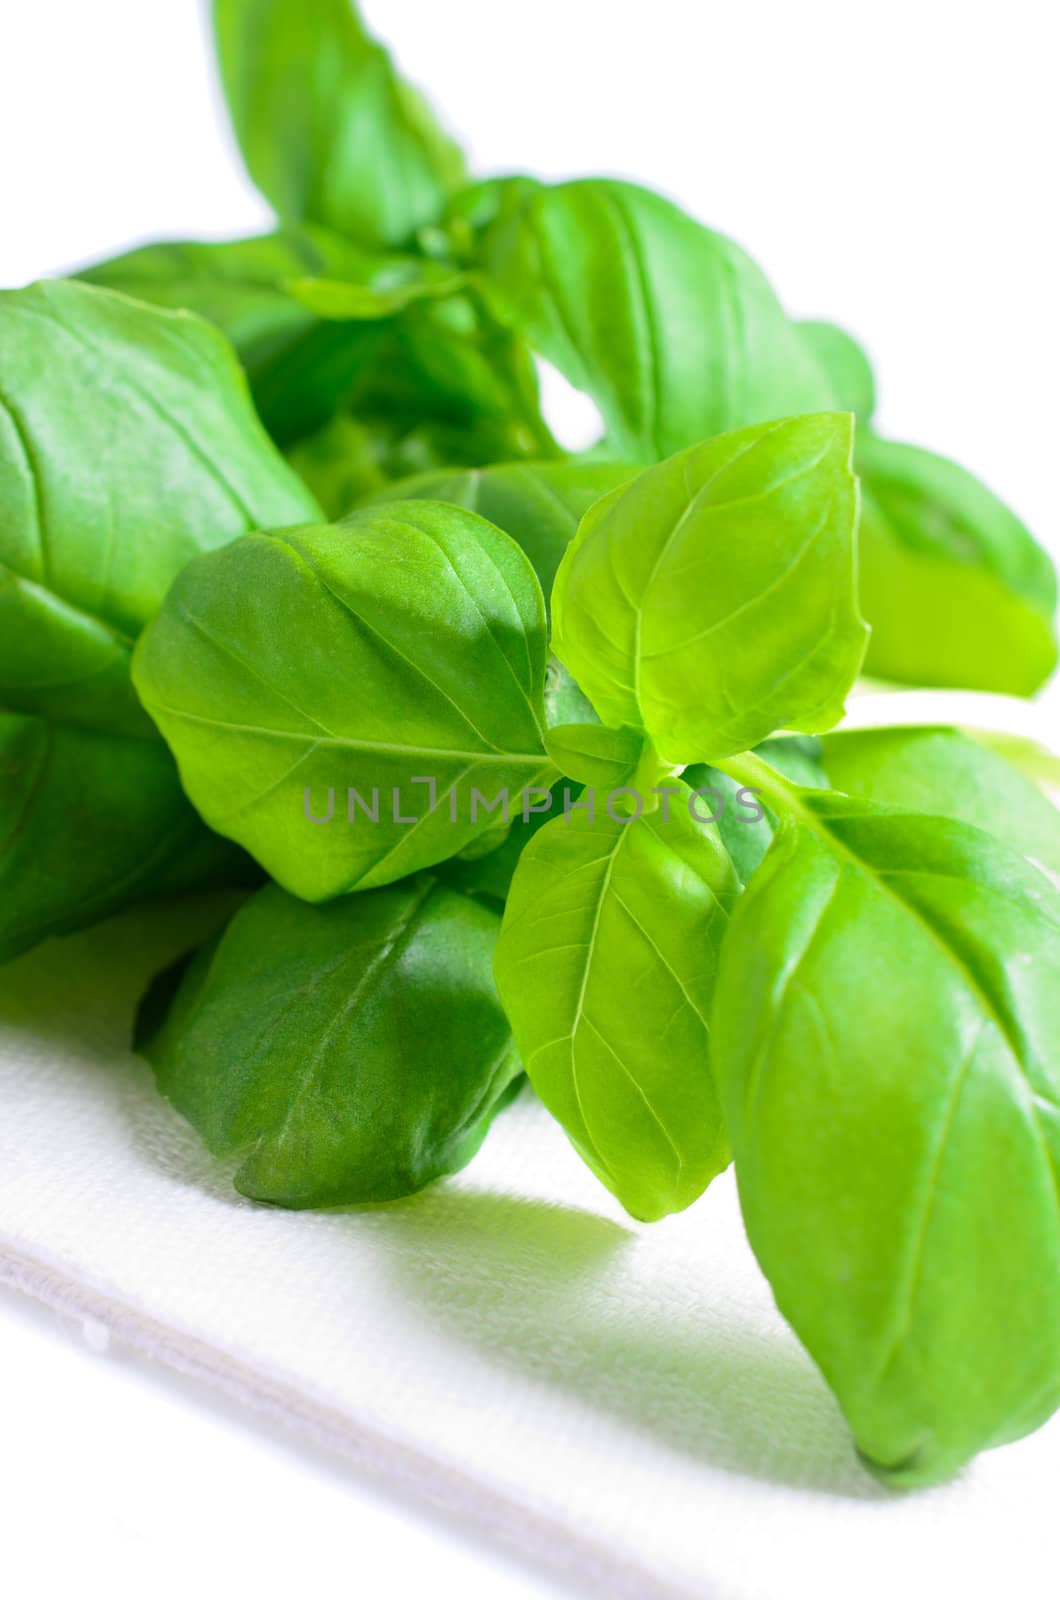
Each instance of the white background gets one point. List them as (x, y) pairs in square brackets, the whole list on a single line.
[(893, 168)]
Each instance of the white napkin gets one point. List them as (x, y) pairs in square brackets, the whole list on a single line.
[(622, 1401)]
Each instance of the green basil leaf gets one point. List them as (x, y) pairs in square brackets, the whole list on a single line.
[(399, 282), (887, 1040), (956, 590), (942, 771), (91, 823), (603, 758), (404, 645), (846, 366), (329, 132), (127, 445), (671, 328), (605, 965), (712, 601), (344, 1053), (258, 290), (1034, 760), (539, 503)]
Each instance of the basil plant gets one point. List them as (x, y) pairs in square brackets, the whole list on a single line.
[(527, 765)]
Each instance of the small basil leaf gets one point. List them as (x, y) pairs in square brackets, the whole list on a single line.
[(396, 283), (91, 823), (846, 366), (712, 601), (329, 132), (345, 1053), (477, 207), (539, 503), (956, 590), (127, 445), (603, 758), (887, 1039), (942, 771), (247, 286), (605, 966), (671, 328), (404, 646)]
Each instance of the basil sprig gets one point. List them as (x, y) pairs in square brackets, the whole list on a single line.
[(540, 752)]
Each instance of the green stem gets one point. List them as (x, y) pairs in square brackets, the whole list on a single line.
[(754, 773), (650, 773)]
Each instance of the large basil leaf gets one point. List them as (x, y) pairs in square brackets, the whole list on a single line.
[(887, 1042), (329, 132), (91, 823), (671, 329), (956, 590), (127, 445), (943, 771), (404, 645), (539, 503), (712, 601), (846, 366), (345, 1053), (605, 966)]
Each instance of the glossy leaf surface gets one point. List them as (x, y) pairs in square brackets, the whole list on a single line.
[(404, 645), (671, 328), (887, 1040), (127, 445), (955, 588), (329, 131), (603, 758), (712, 601), (943, 771), (605, 966), (344, 1053), (539, 503)]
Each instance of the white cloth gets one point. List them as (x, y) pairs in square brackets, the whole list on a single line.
[(623, 1401)]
